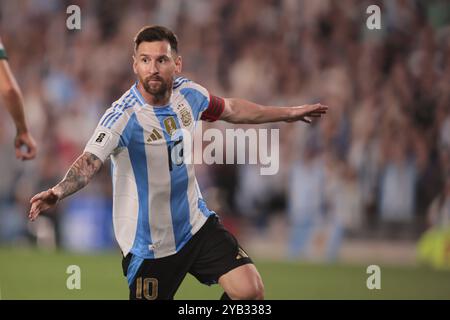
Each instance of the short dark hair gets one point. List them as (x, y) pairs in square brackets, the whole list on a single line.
[(156, 33)]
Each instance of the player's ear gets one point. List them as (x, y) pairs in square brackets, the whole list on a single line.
[(134, 64), (178, 64)]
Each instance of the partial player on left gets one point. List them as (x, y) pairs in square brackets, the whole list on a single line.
[(12, 98)]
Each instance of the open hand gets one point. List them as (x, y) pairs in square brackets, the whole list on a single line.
[(41, 202), (306, 112)]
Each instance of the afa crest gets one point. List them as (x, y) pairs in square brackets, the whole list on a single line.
[(186, 117)]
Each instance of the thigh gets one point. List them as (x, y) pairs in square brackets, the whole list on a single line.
[(156, 279), (243, 283), (220, 253)]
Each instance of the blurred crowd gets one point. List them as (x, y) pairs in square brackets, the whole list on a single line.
[(377, 165)]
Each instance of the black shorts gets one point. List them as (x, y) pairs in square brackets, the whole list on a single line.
[(210, 253)]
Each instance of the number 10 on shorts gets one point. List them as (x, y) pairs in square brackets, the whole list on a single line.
[(147, 288)]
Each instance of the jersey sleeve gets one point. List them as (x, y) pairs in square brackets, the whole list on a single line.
[(214, 109), (3, 54), (205, 106), (109, 135)]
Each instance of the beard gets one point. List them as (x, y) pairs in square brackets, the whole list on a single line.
[(157, 89)]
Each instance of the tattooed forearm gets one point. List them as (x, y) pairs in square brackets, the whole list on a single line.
[(79, 175)]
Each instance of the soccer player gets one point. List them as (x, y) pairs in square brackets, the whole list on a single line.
[(12, 96), (161, 222)]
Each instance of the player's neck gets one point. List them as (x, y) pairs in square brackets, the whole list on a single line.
[(155, 100)]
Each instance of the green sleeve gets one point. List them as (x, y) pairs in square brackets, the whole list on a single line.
[(3, 54)]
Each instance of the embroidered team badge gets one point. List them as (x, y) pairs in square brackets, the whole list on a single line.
[(170, 125), (185, 115)]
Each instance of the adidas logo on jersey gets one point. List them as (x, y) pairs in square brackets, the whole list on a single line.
[(155, 135)]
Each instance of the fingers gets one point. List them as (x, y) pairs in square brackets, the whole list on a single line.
[(306, 120), (320, 106), (35, 204), (25, 141), (316, 114), (38, 196), (30, 152), (18, 153), (35, 210), (41, 202), (306, 112), (23, 155), (316, 111)]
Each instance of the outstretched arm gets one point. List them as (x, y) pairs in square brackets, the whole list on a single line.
[(11, 94), (243, 111), (78, 176)]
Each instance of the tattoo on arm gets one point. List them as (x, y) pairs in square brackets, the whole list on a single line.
[(79, 175)]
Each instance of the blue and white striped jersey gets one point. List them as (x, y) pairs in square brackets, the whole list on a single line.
[(157, 204)]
